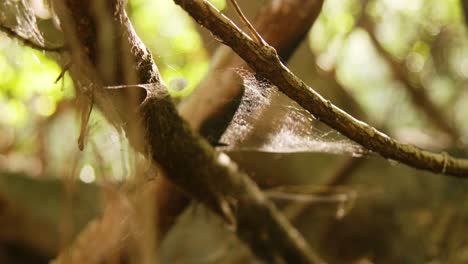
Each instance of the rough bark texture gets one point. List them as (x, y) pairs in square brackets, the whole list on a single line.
[(265, 61), (212, 105), (283, 24), (212, 178), (156, 129)]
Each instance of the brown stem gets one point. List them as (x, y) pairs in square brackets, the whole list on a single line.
[(247, 23), (155, 128), (212, 178), (266, 62), (209, 109)]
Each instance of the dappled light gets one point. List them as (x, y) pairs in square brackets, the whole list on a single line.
[(336, 144)]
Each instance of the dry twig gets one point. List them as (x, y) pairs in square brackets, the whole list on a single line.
[(154, 128), (266, 62), (247, 23), (208, 110)]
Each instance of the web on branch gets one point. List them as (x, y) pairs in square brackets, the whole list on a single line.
[(266, 119), (269, 121)]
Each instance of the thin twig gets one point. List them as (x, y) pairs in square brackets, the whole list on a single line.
[(208, 109), (62, 72), (160, 133), (267, 64), (249, 25), (86, 108), (27, 42)]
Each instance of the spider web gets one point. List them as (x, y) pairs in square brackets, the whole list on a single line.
[(266, 120), (269, 121)]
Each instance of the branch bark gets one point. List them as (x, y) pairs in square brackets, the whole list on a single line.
[(266, 62), (213, 179), (210, 108), (210, 101), (155, 128)]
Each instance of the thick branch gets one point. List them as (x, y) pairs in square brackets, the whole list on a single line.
[(266, 62), (210, 108), (157, 130), (192, 164)]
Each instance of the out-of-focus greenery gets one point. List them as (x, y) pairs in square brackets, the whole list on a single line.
[(39, 122), (171, 35), (27, 85), (29, 94), (411, 32), (28, 97)]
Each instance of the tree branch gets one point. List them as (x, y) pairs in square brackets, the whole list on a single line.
[(155, 128), (209, 109), (213, 179), (209, 103), (265, 61)]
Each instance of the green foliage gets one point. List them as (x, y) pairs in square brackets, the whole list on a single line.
[(408, 30), (425, 38), (27, 85), (29, 95), (173, 39)]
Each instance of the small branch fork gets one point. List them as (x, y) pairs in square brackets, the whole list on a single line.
[(265, 61), (154, 128), (249, 25)]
